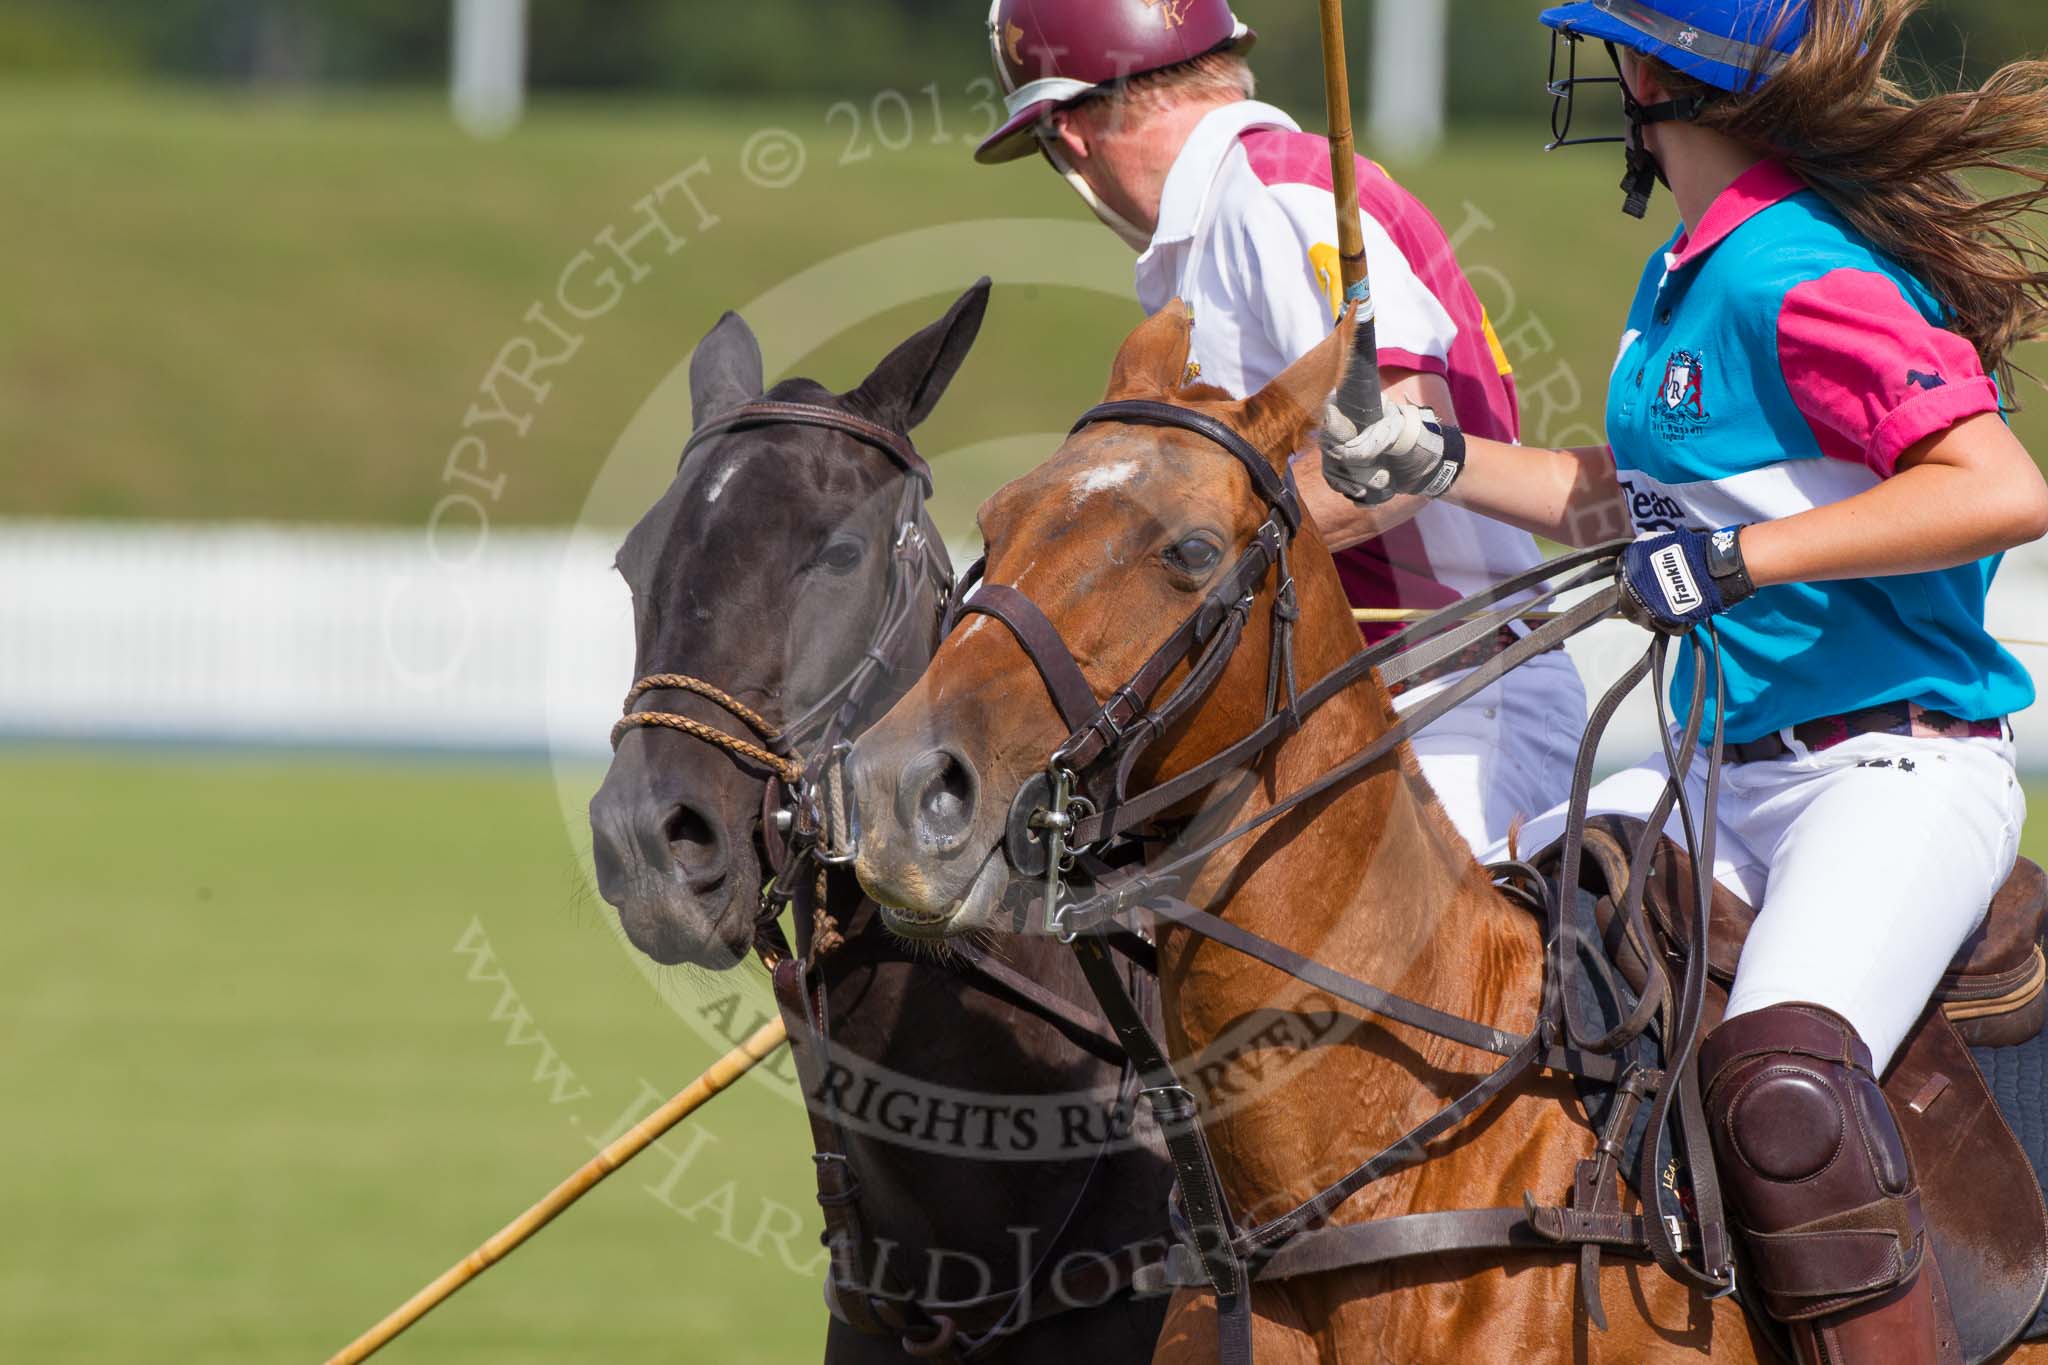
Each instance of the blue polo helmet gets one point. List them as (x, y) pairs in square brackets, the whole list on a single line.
[(1732, 45)]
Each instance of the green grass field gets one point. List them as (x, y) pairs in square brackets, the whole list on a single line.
[(248, 307), (255, 1095)]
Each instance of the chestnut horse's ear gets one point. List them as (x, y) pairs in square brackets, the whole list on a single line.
[(726, 369), (1279, 417), (908, 383), (1154, 359)]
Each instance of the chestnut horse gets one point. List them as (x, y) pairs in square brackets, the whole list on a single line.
[(1115, 539)]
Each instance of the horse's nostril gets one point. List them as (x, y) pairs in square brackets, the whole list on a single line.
[(694, 844), (945, 788), (609, 864), (946, 799)]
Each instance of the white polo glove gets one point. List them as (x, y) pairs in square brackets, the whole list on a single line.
[(1406, 451)]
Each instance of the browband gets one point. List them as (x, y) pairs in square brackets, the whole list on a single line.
[(1276, 492), (768, 411)]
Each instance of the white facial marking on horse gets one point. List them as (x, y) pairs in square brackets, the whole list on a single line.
[(1101, 480), (719, 480)]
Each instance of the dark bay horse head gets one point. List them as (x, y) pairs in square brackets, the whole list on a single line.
[(1116, 539), (764, 571)]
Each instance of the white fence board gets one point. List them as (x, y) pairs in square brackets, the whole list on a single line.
[(359, 637)]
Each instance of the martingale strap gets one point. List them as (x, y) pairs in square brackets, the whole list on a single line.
[(1178, 1115)]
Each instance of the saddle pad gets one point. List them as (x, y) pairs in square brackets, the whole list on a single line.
[(2018, 1077)]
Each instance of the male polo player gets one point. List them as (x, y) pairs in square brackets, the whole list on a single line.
[(1146, 108)]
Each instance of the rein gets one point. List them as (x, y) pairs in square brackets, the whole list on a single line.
[(1081, 806)]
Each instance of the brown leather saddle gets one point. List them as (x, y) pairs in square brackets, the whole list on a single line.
[(1982, 1200)]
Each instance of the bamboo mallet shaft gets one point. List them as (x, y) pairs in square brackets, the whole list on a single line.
[(635, 1140), (1358, 396), (1343, 145)]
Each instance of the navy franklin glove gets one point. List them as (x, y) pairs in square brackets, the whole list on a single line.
[(1675, 580)]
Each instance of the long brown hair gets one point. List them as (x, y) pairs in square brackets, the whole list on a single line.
[(1908, 172)]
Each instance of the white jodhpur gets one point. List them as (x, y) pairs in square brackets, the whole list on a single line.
[(1870, 864)]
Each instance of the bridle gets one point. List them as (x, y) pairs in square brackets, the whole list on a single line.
[(918, 563), (1081, 806), (1081, 798)]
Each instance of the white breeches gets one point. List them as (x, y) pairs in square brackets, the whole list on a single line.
[(1869, 863), (1507, 752)]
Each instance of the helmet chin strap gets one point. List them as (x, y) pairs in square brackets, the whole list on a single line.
[(1644, 172), (1133, 236)]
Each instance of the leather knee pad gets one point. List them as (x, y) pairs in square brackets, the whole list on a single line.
[(1811, 1160)]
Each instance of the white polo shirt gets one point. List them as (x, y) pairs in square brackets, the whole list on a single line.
[(1246, 236)]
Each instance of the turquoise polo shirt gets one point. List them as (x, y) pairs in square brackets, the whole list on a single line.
[(1775, 362)]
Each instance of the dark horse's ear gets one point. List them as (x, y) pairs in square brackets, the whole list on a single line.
[(726, 370), (908, 383)]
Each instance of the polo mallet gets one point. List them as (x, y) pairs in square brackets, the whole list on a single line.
[(630, 1144), (1359, 396)]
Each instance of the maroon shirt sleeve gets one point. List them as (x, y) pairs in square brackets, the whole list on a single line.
[(1870, 374)]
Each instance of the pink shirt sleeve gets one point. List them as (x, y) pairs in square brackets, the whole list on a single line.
[(1871, 375)]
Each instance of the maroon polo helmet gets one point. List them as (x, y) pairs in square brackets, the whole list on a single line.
[(1051, 52)]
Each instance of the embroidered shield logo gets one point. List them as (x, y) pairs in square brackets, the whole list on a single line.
[(1682, 408)]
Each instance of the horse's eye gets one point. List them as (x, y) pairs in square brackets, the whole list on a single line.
[(1196, 555), (840, 556)]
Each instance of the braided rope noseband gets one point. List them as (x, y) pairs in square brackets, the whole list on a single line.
[(788, 769)]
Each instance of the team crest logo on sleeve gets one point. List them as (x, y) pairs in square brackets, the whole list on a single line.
[(1681, 408)]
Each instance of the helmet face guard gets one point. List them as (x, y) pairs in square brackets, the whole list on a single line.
[(1644, 174), (1732, 46)]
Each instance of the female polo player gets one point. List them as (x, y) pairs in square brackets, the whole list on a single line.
[(1806, 433)]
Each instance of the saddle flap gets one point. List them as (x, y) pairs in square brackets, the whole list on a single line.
[(1978, 1191), (2002, 951)]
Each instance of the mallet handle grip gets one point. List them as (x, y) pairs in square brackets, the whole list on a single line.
[(622, 1149), (1359, 396)]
